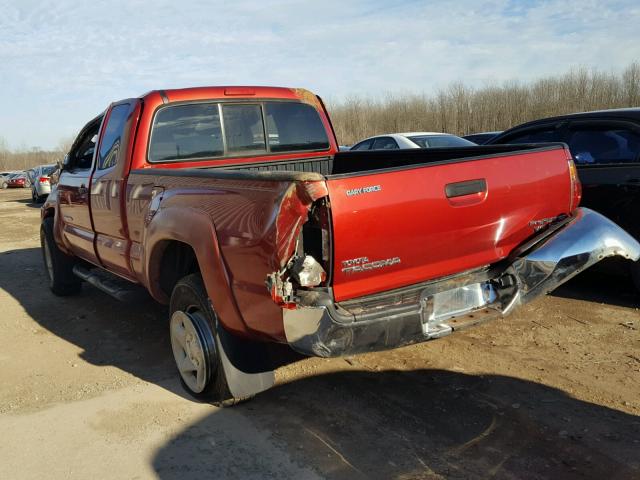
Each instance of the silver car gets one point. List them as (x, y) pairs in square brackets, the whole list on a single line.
[(40, 184), (4, 176), (392, 141)]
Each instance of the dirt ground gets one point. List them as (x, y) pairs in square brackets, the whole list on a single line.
[(88, 390)]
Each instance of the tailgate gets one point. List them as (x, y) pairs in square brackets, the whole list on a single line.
[(398, 227)]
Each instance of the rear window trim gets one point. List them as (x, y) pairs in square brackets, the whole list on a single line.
[(220, 101)]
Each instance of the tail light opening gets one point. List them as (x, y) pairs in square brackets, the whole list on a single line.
[(576, 186), (309, 267)]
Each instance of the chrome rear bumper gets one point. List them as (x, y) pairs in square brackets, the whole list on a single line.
[(320, 327)]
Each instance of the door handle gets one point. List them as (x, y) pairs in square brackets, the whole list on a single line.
[(467, 187), (467, 193)]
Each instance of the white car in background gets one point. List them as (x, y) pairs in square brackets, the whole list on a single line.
[(393, 141), (40, 182)]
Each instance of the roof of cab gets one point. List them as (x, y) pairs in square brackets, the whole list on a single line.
[(235, 91)]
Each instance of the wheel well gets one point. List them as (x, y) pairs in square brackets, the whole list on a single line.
[(178, 260)]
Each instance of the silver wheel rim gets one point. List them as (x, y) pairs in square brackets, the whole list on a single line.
[(188, 351), (47, 260)]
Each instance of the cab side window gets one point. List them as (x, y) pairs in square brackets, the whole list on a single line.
[(112, 137)]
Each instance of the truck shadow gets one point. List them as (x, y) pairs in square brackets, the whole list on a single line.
[(132, 337), (348, 424), (407, 424), (608, 283)]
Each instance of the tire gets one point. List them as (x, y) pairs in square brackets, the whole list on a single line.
[(193, 326), (57, 265), (635, 274), (34, 196), (4, 185)]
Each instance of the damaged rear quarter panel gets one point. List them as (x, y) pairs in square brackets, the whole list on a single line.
[(256, 224), (292, 214)]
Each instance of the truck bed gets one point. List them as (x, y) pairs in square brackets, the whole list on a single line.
[(362, 161), (406, 216)]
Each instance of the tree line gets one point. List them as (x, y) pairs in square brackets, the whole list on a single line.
[(26, 158), (461, 109)]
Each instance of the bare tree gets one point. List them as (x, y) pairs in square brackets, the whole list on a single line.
[(460, 109)]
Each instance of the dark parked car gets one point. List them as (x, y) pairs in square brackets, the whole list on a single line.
[(481, 138), (606, 149)]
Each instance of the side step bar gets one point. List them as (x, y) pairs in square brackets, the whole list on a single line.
[(111, 284)]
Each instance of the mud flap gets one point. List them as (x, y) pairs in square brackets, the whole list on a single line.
[(246, 364)]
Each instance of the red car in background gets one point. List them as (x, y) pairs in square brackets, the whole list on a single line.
[(18, 180)]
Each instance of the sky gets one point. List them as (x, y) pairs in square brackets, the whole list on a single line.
[(62, 62)]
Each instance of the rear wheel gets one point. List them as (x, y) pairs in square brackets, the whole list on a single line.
[(58, 265), (193, 327)]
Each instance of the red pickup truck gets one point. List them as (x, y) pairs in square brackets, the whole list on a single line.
[(234, 206)]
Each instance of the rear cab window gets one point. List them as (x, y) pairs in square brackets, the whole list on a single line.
[(226, 130)]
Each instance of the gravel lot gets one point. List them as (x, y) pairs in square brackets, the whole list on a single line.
[(88, 390)]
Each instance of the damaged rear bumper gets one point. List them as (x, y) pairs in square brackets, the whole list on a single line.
[(320, 327)]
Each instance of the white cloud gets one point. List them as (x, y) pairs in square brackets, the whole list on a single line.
[(62, 61)]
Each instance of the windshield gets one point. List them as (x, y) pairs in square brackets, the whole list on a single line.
[(426, 141), (46, 171)]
